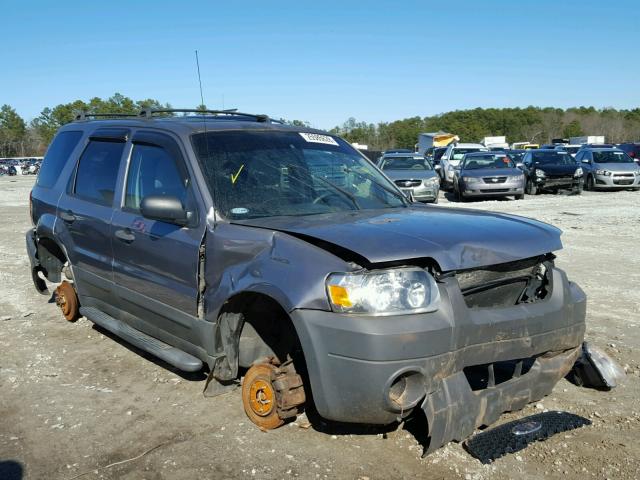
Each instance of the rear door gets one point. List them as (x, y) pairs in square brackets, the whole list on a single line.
[(156, 263), (84, 214)]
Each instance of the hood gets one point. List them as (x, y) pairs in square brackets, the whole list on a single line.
[(410, 174), (617, 167), (491, 172), (557, 168), (455, 238)]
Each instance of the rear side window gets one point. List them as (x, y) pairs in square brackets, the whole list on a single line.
[(98, 171), (56, 157), (153, 171)]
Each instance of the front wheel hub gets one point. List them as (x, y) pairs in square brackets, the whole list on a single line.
[(67, 301)]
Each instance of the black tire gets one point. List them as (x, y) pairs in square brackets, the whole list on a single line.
[(520, 197), (530, 188), (590, 185), (577, 190), (456, 195)]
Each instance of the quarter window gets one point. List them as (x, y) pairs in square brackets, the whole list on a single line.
[(98, 171), (56, 157)]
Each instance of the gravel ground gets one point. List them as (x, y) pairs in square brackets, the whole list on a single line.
[(76, 401)]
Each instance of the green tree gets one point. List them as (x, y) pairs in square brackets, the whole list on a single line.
[(13, 131), (572, 129)]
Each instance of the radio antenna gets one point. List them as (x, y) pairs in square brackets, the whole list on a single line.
[(206, 141)]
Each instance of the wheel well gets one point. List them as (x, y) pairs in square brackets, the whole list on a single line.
[(267, 329), (51, 258)]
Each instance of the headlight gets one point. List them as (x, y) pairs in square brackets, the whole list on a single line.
[(603, 172), (539, 173), (430, 181), (578, 172), (470, 179), (516, 178), (383, 292)]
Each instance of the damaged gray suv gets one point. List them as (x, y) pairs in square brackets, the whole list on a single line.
[(245, 247)]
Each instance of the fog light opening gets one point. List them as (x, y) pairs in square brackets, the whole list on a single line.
[(406, 390)]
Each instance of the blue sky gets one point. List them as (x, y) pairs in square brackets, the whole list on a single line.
[(375, 61)]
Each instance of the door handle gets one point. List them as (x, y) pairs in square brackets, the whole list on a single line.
[(68, 217), (125, 235)]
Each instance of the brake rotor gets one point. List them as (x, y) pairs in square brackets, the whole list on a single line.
[(259, 397), (67, 300)]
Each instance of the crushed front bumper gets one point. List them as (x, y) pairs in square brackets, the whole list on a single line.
[(353, 361)]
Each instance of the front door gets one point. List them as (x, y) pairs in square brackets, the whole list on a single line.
[(156, 263)]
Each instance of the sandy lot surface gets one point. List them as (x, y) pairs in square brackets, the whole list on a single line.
[(74, 401)]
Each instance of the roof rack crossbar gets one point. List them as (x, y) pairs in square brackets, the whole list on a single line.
[(149, 112), (83, 115)]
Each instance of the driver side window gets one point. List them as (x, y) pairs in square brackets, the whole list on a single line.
[(153, 171)]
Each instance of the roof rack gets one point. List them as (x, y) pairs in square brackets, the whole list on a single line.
[(149, 112), (83, 115)]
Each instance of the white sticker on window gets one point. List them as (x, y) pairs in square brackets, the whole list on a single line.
[(317, 138), (239, 211)]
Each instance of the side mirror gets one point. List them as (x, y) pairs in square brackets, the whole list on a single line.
[(585, 160), (438, 167), (165, 208), (520, 165)]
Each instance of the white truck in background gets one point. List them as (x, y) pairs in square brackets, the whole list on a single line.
[(434, 139), (494, 143), (587, 139)]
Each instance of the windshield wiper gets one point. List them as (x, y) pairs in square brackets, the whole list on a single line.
[(399, 195), (347, 194)]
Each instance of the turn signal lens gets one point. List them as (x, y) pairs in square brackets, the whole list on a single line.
[(339, 296)]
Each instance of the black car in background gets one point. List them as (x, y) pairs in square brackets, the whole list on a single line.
[(551, 170), (631, 149)]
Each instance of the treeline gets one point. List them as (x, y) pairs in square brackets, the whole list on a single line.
[(538, 125)]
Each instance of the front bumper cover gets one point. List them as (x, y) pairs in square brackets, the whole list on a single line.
[(353, 360)]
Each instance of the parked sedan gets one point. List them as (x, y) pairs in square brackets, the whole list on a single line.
[(551, 170), (413, 174), (487, 174), (608, 168)]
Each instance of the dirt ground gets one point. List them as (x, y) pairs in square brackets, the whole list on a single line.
[(75, 401)]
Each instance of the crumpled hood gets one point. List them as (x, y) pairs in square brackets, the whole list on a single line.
[(455, 238)]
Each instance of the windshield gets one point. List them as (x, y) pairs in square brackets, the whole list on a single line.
[(477, 162), (262, 174), (405, 163), (558, 158), (611, 156), (458, 153)]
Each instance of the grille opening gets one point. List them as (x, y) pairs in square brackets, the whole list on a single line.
[(505, 285), (492, 374)]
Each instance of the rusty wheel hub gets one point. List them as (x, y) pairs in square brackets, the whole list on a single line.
[(261, 397), (67, 301)]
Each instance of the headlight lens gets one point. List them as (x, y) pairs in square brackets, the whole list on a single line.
[(516, 178), (383, 292), (578, 172), (470, 179), (539, 173), (603, 172), (429, 182)]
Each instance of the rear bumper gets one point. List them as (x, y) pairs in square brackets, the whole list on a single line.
[(354, 360)]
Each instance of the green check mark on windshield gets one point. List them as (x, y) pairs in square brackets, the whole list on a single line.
[(235, 177)]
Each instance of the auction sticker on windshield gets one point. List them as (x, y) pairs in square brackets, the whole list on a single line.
[(317, 138)]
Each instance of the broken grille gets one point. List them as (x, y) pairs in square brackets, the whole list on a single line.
[(507, 284), (492, 374)]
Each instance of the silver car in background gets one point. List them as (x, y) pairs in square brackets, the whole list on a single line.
[(488, 174), (452, 158), (414, 175), (608, 168)]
